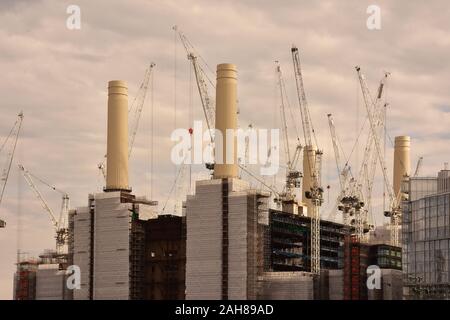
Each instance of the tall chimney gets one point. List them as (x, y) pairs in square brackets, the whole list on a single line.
[(402, 164), (117, 149), (309, 159), (226, 118)]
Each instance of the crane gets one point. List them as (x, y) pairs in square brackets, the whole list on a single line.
[(134, 113), (202, 81), (394, 212), (59, 223), (418, 167), (315, 194), (359, 202), (343, 173), (8, 148), (293, 176)]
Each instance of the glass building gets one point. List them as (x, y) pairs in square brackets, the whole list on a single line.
[(426, 237)]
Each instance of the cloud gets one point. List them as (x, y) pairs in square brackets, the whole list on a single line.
[(59, 78)]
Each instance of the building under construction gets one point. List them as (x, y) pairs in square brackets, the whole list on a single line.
[(43, 278), (165, 258)]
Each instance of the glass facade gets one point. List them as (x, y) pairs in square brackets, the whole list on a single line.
[(426, 233)]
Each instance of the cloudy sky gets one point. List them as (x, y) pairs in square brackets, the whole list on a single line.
[(58, 77)]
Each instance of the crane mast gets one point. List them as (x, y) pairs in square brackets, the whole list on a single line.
[(9, 148), (60, 223), (315, 194)]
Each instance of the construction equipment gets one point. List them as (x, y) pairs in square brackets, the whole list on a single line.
[(134, 114), (315, 194), (60, 223), (202, 81), (8, 149), (354, 202), (293, 176), (343, 173), (394, 212), (418, 167)]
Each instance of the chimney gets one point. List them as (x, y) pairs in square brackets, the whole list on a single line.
[(117, 149), (402, 164), (226, 118)]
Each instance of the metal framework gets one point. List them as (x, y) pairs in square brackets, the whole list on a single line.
[(316, 192)]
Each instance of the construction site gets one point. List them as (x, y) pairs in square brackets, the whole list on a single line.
[(235, 235)]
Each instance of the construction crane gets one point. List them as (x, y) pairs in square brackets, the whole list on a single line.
[(202, 81), (293, 176), (358, 202), (394, 212), (134, 115), (315, 194), (8, 149), (418, 167), (60, 223), (343, 173)]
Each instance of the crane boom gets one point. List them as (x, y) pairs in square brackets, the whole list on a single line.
[(418, 167), (137, 105), (202, 81), (12, 136)]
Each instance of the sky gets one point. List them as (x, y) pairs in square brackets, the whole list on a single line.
[(59, 77)]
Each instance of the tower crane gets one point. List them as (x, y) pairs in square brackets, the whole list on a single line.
[(293, 176), (59, 223), (394, 212), (202, 80), (8, 148), (315, 194), (134, 113), (356, 202), (343, 173)]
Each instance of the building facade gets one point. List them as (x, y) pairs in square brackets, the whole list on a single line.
[(426, 237)]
